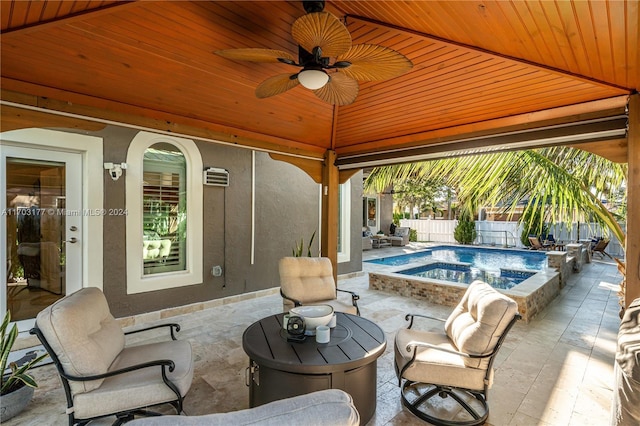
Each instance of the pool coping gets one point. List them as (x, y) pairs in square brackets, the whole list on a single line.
[(532, 295)]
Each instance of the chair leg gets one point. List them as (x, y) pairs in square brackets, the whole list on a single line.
[(419, 405)]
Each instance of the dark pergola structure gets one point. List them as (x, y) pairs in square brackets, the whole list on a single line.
[(486, 76)]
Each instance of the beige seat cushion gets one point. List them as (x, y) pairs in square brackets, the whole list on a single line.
[(307, 279), (434, 366), (476, 324), (84, 335), (139, 388)]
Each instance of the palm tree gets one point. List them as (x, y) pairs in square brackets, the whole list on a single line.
[(561, 183)]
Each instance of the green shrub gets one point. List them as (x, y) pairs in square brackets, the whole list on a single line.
[(413, 235), (465, 232)]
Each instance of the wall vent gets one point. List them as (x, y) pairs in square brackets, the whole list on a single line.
[(216, 177)]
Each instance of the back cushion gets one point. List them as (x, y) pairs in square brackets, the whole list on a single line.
[(83, 334), (307, 279), (476, 324)]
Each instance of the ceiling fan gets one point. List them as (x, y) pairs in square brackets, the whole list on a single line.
[(331, 65)]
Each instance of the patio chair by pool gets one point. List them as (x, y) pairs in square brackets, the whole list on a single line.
[(309, 281), (400, 237), (100, 376), (599, 248), (457, 362), (537, 245)]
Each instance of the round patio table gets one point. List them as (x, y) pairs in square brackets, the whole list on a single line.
[(281, 369)]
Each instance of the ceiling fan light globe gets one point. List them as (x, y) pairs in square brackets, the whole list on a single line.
[(313, 79)]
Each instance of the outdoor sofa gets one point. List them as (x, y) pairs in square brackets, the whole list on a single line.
[(331, 407)]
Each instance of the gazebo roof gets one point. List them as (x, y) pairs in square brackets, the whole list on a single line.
[(531, 72)]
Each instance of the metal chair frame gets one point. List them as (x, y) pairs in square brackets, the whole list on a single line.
[(443, 390), (121, 416)]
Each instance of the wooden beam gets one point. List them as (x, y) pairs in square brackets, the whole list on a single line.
[(311, 167), (12, 118), (128, 115), (330, 199), (567, 114), (614, 150), (345, 175), (632, 251)]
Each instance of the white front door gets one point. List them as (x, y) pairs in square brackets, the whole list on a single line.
[(40, 229)]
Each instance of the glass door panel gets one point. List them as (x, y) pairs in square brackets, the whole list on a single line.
[(41, 198), (35, 235)]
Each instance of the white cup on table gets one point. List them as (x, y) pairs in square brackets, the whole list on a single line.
[(323, 334)]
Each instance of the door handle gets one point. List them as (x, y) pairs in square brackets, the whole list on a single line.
[(71, 240)]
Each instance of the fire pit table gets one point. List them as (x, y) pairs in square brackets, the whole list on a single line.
[(280, 369)]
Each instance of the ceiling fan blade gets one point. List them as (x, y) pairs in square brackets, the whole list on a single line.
[(370, 62), (321, 29), (340, 90), (275, 85), (255, 55)]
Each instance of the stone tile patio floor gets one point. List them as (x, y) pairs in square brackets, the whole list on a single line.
[(555, 370)]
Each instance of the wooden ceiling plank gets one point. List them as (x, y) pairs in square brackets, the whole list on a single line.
[(584, 20), (516, 60), (523, 83), (131, 115), (522, 44), (558, 33), (474, 17), (619, 41), (572, 38), (66, 15), (51, 10), (33, 12), (6, 9), (437, 117), (249, 26), (418, 98), (569, 113), (141, 69), (603, 36)]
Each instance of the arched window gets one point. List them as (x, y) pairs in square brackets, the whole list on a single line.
[(164, 221)]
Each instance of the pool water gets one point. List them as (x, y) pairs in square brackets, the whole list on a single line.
[(466, 275), (490, 260)]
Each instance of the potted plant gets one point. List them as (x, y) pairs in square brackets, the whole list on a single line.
[(16, 386), (297, 252)]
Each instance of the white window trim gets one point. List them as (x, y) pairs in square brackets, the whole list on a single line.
[(137, 282), (345, 221)]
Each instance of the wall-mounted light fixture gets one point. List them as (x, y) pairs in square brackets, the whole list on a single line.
[(115, 170)]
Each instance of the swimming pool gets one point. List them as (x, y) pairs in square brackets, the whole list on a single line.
[(477, 257), (465, 274), (441, 274)]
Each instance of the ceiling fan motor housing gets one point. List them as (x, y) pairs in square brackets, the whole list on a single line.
[(313, 6)]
